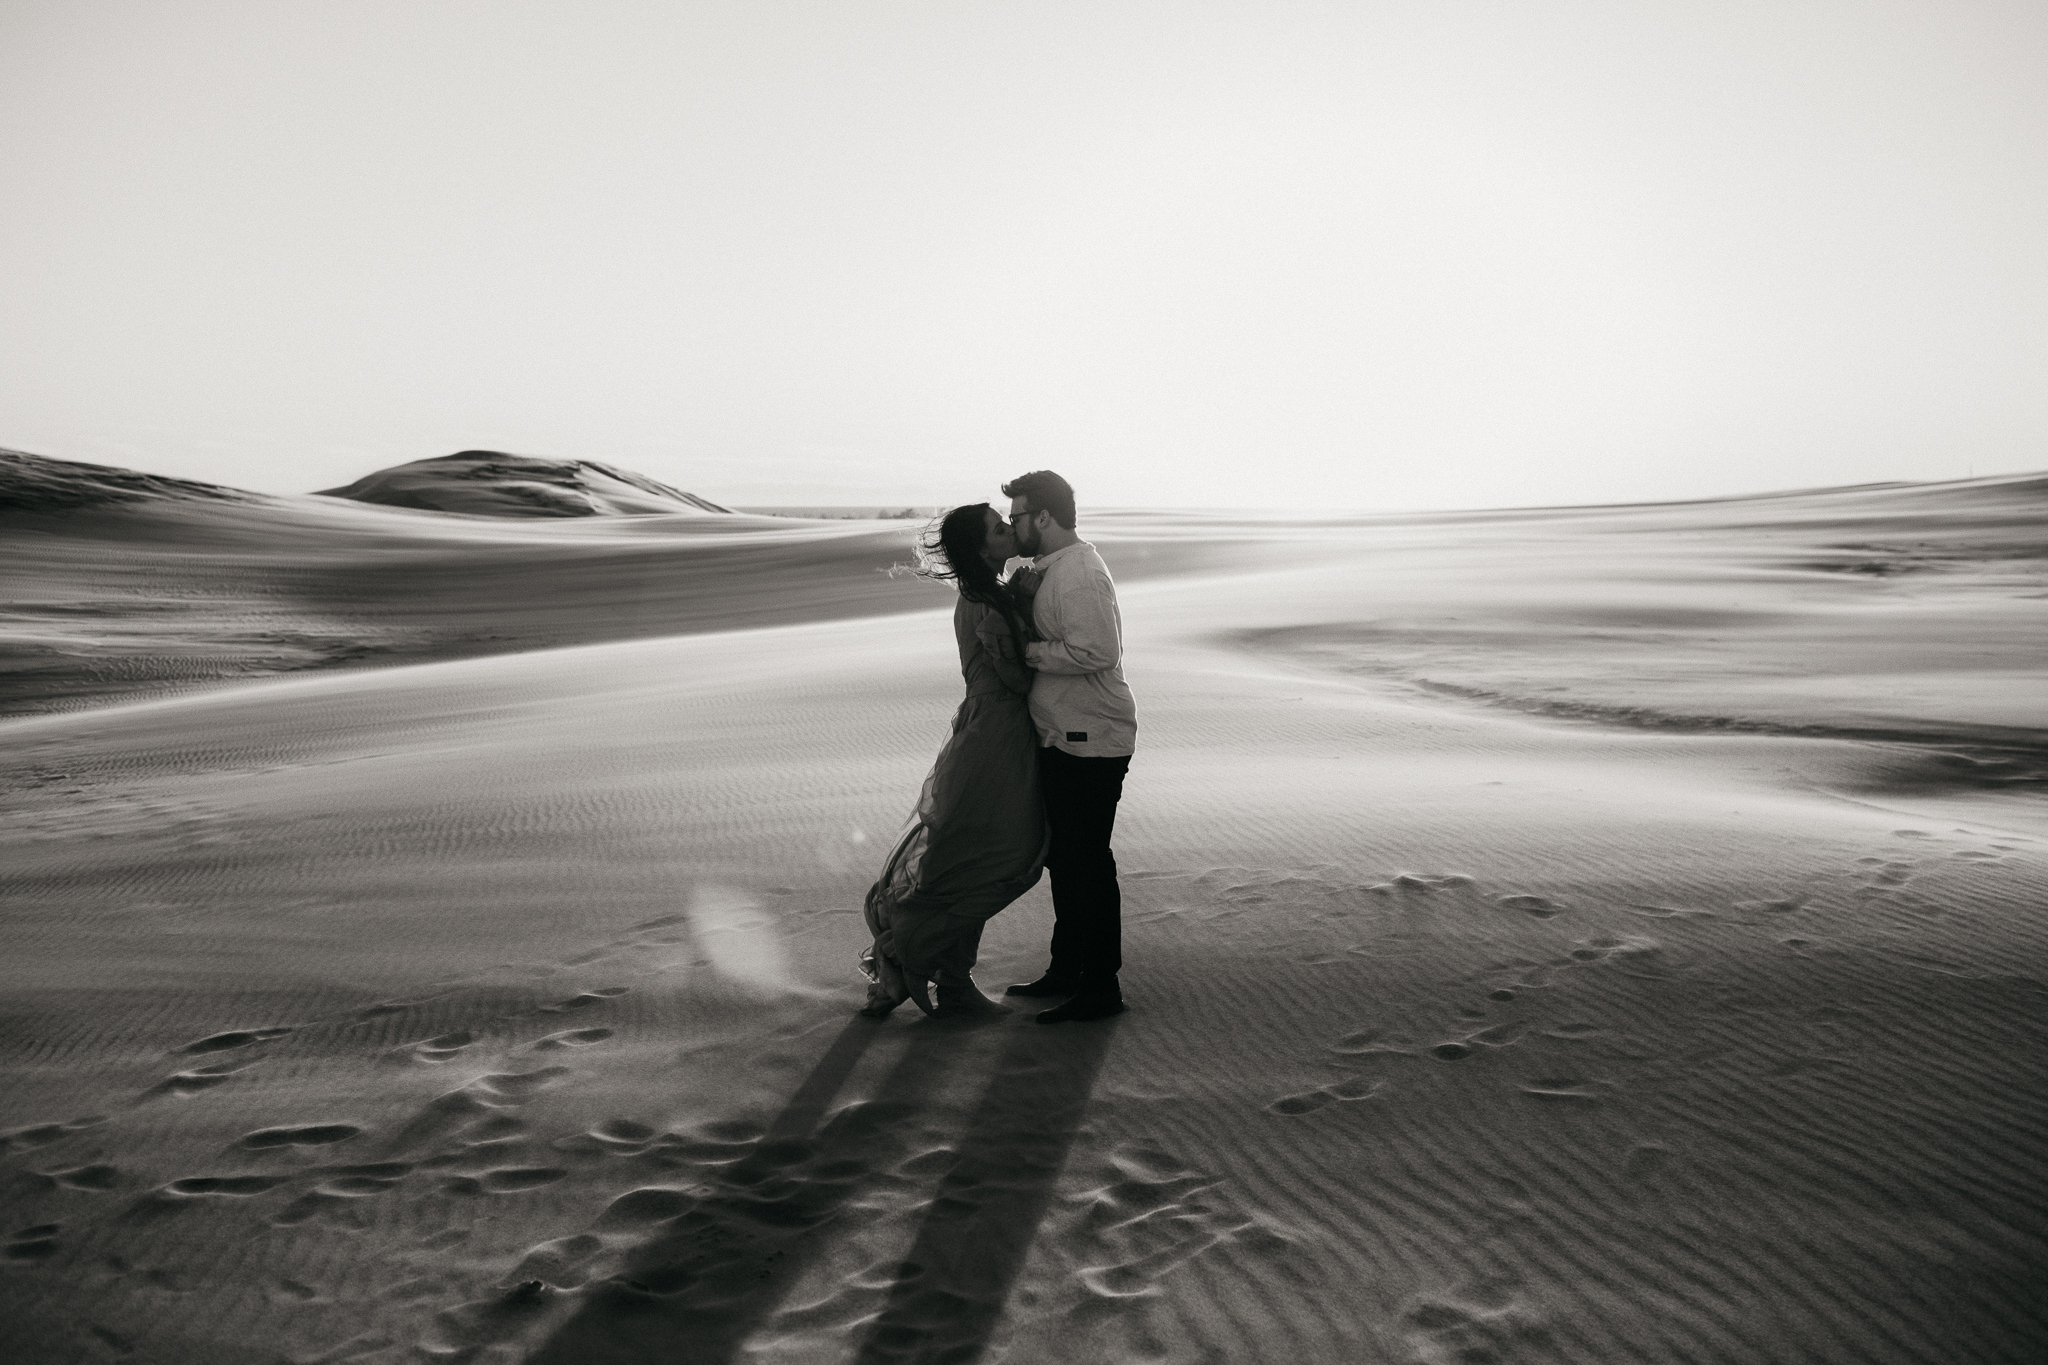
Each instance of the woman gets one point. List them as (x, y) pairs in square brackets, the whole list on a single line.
[(978, 838)]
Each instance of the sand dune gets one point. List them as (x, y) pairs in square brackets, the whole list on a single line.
[(1591, 934), (492, 483)]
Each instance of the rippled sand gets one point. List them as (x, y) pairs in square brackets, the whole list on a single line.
[(1608, 934)]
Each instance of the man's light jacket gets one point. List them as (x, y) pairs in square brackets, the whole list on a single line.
[(1079, 700)]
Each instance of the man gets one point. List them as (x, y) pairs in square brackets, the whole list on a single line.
[(1087, 728)]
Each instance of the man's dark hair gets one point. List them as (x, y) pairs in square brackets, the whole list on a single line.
[(1044, 491)]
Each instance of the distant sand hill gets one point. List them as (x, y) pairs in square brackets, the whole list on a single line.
[(493, 484), (38, 485)]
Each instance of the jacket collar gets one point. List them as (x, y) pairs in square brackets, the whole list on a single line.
[(1042, 561)]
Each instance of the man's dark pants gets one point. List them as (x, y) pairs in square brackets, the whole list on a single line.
[(1080, 805)]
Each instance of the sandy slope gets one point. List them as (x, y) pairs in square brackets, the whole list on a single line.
[(1528, 964)]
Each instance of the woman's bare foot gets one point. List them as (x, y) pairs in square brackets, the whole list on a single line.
[(959, 998)]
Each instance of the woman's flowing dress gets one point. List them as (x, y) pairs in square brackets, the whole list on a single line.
[(978, 838)]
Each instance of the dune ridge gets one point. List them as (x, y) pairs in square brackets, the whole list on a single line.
[(492, 483)]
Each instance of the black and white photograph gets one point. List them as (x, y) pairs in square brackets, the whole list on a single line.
[(1023, 682)]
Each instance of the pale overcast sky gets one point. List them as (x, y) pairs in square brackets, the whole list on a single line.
[(1342, 254)]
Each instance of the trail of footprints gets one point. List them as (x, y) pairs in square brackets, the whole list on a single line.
[(1372, 1045), (1878, 877), (194, 1080), (468, 1130)]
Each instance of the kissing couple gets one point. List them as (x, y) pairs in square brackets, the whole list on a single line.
[(1029, 780)]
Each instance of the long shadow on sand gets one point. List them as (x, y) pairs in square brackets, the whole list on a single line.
[(722, 1261), (951, 1288)]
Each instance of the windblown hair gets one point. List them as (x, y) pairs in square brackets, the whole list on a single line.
[(951, 550), (1044, 491)]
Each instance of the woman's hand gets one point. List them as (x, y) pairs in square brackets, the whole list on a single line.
[(1000, 644), (1023, 584)]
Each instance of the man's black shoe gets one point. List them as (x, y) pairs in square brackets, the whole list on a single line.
[(1046, 985), (1083, 1007)]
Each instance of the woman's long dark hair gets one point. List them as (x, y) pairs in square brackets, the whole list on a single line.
[(951, 551)]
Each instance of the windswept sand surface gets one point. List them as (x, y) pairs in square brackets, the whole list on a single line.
[(1591, 935)]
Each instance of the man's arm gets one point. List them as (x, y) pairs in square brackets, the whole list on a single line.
[(1088, 642)]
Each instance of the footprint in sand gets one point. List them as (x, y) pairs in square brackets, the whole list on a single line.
[(434, 1051), (334, 1198), (1669, 912), (225, 1186), (582, 1037), (713, 1144), (311, 1135), (43, 1134), (37, 1243), (614, 1137), (1308, 1101), (1369, 1042), (494, 1129), (645, 1207), (1560, 1090), (384, 1007), (185, 1084), (1419, 881), (506, 1180), (1783, 905), (180, 1195), (1613, 946), (94, 1178), (223, 1042), (585, 1000), (1540, 907), (514, 1087)]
